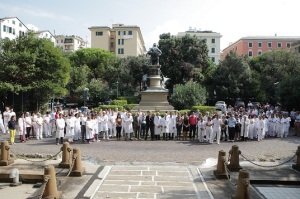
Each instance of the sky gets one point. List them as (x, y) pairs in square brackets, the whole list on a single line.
[(233, 19)]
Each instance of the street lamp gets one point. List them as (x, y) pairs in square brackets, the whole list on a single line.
[(85, 92), (117, 89)]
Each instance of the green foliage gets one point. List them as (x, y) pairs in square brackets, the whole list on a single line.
[(98, 91), (131, 99), (188, 95), (289, 92), (185, 111), (232, 78), (112, 107), (129, 106), (35, 67), (275, 67), (119, 102), (203, 109), (182, 56)]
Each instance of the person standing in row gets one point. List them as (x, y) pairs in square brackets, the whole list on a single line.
[(128, 126), (186, 126), (119, 126), (60, 127), (157, 126), (143, 125), (245, 128), (164, 122), (6, 119), (172, 125), (231, 127), (137, 126), (83, 119), (208, 128), (217, 122), (39, 126), (149, 125), (179, 121), (28, 125), (22, 127), (12, 129), (201, 129), (89, 129), (193, 123)]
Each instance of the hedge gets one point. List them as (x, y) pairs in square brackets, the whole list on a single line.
[(130, 99), (184, 111), (119, 102), (129, 106), (203, 109), (104, 107)]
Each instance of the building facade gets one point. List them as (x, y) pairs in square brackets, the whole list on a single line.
[(12, 28), (296, 48), (212, 41), (45, 34), (71, 43), (255, 46), (123, 40)]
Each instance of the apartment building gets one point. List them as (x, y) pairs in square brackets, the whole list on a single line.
[(71, 43), (212, 41), (296, 48), (123, 40), (256, 45), (12, 27), (45, 34)]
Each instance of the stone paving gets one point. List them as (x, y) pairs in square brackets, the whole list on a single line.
[(279, 192), (151, 182)]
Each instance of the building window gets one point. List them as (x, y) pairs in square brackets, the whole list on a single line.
[(213, 59), (121, 51), (288, 45), (121, 41), (119, 32), (213, 50), (13, 21), (99, 33), (14, 31), (250, 53), (4, 28), (259, 44), (259, 52), (129, 32), (62, 41), (213, 41), (20, 24), (279, 45), (250, 44), (269, 44), (124, 32), (9, 29), (111, 44)]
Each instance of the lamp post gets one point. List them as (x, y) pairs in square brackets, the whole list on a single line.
[(117, 89), (85, 92)]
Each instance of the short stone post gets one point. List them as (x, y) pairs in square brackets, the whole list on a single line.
[(5, 154), (65, 162), (297, 165), (220, 173), (77, 169), (50, 190), (243, 186), (234, 164)]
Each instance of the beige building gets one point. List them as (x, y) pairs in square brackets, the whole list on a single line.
[(70, 43), (212, 40), (123, 40)]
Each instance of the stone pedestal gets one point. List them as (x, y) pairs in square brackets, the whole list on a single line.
[(155, 97)]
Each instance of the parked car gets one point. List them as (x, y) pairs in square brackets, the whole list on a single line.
[(239, 104), (220, 106)]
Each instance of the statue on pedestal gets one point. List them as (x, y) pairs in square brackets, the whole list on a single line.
[(154, 52)]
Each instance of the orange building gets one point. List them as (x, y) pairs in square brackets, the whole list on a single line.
[(254, 46)]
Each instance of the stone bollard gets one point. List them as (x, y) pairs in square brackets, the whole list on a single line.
[(297, 165), (65, 162), (77, 169), (50, 180), (234, 164), (243, 186), (5, 154), (221, 173)]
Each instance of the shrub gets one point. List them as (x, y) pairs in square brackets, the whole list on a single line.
[(130, 99), (119, 102), (184, 111), (203, 109), (129, 106), (104, 107)]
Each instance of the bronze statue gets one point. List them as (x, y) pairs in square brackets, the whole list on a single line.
[(154, 52)]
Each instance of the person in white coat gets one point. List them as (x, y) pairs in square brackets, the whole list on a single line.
[(217, 122), (112, 120), (39, 127), (280, 130), (286, 125), (70, 129), (6, 119), (157, 126), (104, 124), (94, 119), (201, 129), (2, 128), (89, 129), (260, 128), (46, 125), (22, 127), (172, 126), (164, 122), (128, 128), (251, 127), (245, 128), (208, 128), (60, 127), (77, 126)]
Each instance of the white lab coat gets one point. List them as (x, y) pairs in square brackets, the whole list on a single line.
[(60, 127), (157, 123), (128, 124), (164, 122), (245, 127)]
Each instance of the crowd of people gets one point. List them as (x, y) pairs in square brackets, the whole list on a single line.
[(90, 126)]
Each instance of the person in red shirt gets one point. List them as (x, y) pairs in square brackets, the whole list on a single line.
[(193, 122)]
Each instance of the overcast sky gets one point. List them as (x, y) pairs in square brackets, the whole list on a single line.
[(232, 18)]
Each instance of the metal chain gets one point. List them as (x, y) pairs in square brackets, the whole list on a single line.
[(24, 158), (266, 165), (227, 174)]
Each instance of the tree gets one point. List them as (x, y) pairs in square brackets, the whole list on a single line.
[(272, 68), (98, 91), (183, 58), (232, 78), (188, 95), (32, 66)]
